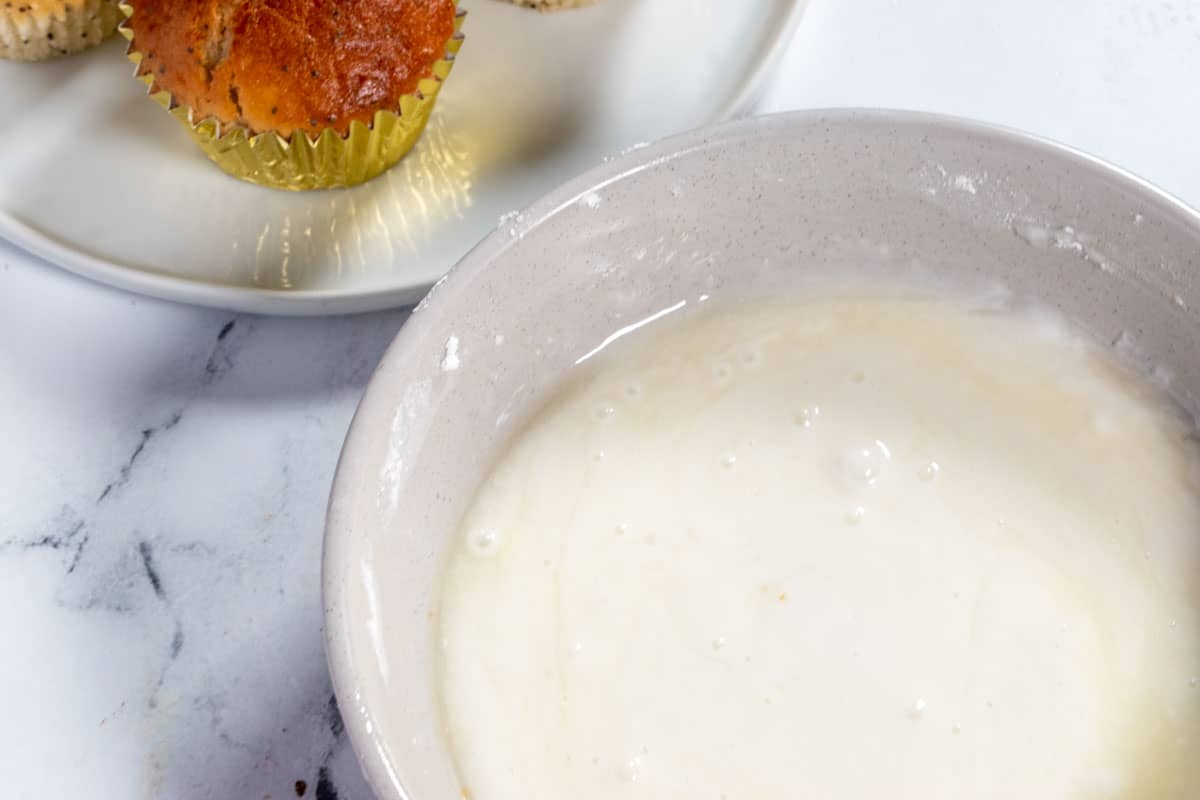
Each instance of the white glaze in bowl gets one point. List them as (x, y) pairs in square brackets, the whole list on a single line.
[(757, 206)]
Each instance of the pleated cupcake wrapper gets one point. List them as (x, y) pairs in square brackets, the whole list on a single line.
[(82, 24), (330, 160)]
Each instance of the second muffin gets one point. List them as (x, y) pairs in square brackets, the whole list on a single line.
[(297, 94), (34, 30)]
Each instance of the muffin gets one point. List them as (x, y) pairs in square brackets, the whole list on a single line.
[(296, 94), (33, 30)]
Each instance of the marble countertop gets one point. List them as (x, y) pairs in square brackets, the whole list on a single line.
[(164, 469)]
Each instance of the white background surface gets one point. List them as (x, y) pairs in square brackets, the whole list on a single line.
[(162, 487)]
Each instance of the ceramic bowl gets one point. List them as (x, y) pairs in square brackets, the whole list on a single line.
[(763, 205)]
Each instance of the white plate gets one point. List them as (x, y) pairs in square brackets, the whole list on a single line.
[(97, 178)]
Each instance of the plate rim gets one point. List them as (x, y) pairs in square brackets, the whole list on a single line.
[(322, 302)]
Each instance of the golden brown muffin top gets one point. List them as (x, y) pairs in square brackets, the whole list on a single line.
[(41, 9), (37, 7), (289, 65)]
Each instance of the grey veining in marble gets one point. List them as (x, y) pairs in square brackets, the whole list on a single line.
[(160, 542)]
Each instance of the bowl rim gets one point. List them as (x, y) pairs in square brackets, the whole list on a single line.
[(443, 297)]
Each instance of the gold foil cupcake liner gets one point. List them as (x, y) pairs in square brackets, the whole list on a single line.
[(26, 35), (328, 161)]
